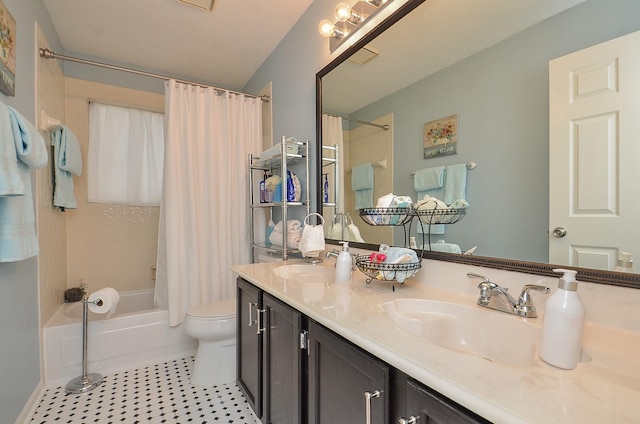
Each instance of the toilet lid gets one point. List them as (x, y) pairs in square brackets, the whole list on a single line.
[(218, 309)]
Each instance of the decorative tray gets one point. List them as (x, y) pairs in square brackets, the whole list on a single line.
[(386, 271), (440, 216), (386, 216)]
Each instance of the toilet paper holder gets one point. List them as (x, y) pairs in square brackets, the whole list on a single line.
[(86, 381)]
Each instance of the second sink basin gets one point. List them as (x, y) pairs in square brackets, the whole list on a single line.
[(498, 337), (306, 273)]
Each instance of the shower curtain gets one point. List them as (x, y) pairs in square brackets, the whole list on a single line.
[(204, 224)]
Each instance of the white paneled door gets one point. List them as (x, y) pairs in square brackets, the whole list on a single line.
[(594, 175)]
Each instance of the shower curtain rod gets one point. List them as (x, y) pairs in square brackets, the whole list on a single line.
[(383, 126), (48, 54)]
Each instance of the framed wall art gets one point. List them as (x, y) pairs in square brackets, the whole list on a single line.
[(7, 51), (441, 137)]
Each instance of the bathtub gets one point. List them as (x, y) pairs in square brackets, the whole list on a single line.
[(137, 334)]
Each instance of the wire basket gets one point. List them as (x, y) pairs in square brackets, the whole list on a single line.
[(386, 271), (440, 216), (386, 216)]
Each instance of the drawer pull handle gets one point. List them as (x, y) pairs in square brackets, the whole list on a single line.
[(367, 399)]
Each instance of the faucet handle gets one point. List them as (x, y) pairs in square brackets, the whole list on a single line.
[(485, 287), (525, 307)]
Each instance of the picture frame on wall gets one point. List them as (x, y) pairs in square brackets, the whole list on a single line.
[(441, 137), (7, 51)]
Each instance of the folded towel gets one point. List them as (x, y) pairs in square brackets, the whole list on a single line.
[(291, 147), (362, 185), (292, 225), (429, 179), (441, 246), (455, 184), (398, 255), (312, 240), (18, 239), (11, 183), (67, 161), (426, 203), (293, 238)]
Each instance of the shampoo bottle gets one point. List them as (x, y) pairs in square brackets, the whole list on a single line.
[(344, 263), (561, 344)]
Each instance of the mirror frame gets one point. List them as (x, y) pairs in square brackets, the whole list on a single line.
[(537, 268)]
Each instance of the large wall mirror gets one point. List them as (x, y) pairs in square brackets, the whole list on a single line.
[(488, 64)]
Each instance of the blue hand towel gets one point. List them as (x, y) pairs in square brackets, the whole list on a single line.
[(455, 184), (430, 181), (67, 161), (18, 239), (362, 185), (10, 180)]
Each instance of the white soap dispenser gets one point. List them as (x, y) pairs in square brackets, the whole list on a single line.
[(344, 263), (563, 325)]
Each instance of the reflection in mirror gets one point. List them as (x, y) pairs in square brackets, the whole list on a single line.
[(492, 70)]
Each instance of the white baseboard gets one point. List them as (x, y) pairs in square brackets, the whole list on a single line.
[(32, 404)]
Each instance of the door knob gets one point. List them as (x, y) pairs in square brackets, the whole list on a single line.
[(559, 232)]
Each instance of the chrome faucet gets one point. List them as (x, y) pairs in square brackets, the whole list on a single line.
[(495, 297), (333, 253)]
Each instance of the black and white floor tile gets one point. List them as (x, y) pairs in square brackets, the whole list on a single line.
[(153, 394)]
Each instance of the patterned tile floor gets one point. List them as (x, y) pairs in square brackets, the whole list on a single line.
[(153, 394)]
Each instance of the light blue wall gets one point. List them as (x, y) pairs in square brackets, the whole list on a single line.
[(20, 348), (501, 98)]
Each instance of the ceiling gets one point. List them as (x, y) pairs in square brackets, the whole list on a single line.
[(432, 37), (223, 47)]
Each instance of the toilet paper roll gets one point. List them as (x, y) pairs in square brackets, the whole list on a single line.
[(104, 301)]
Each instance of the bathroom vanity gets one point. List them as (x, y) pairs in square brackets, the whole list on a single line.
[(312, 350)]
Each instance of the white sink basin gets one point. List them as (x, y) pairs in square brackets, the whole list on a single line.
[(495, 336), (306, 273)]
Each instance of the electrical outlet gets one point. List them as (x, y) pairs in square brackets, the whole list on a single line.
[(153, 272)]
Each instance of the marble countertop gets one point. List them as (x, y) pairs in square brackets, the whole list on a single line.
[(605, 388)]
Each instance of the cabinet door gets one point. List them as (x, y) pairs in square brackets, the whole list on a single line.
[(249, 344), (282, 360), (427, 406), (339, 376)]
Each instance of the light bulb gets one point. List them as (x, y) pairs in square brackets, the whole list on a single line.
[(326, 28), (342, 12)]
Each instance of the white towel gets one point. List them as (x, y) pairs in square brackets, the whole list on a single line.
[(18, 239), (11, 183), (67, 161), (312, 240), (292, 225), (293, 238)]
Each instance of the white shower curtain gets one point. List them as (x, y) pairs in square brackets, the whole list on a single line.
[(204, 225)]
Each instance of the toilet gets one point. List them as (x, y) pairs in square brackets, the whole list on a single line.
[(214, 325)]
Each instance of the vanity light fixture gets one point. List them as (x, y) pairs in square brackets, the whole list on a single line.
[(344, 13), (348, 19)]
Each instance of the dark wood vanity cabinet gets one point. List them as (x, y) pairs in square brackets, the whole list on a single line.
[(345, 383), (249, 344), (269, 364), (413, 402), (293, 370)]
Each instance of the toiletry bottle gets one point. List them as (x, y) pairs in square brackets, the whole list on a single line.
[(263, 188), (325, 188), (625, 263), (561, 344), (344, 263)]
